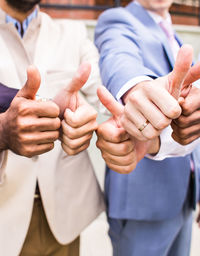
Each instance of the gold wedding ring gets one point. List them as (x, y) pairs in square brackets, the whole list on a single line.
[(141, 128)]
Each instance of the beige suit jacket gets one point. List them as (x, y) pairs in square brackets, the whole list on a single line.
[(70, 193)]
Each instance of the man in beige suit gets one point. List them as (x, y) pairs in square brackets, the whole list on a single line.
[(33, 162)]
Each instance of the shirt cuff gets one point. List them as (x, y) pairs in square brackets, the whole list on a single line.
[(130, 84), (171, 148)]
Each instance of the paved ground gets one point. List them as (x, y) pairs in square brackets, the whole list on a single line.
[(94, 240)]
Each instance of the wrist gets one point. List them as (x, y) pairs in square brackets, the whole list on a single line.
[(126, 96), (154, 146), (3, 144)]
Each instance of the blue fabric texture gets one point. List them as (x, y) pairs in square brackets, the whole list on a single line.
[(131, 44), (21, 28)]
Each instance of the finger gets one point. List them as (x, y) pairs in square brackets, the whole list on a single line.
[(109, 132), (45, 109), (181, 68), (131, 129), (109, 102), (75, 133), (188, 121), (138, 112), (39, 124), (125, 160), (192, 76), (35, 150), (76, 143), (184, 141), (32, 84), (188, 132), (116, 149), (191, 103), (72, 152), (83, 115), (163, 100), (80, 78), (122, 169), (40, 137)]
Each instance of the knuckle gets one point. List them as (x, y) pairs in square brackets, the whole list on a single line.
[(55, 135), (21, 107), (128, 169), (151, 135), (74, 122), (57, 123), (126, 147), (174, 112), (20, 123), (73, 144), (187, 106), (92, 113), (66, 149), (135, 97), (182, 134), (23, 139), (50, 146), (163, 123), (28, 152), (183, 122), (104, 155), (69, 132)]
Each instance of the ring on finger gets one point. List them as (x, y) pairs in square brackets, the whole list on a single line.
[(141, 128)]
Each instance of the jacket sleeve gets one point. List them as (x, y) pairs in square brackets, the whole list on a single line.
[(119, 45), (6, 96)]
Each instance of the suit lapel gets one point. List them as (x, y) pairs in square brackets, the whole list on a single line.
[(149, 24), (8, 54), (46, 48)]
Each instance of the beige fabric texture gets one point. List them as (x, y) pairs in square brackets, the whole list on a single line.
[(70, 193)]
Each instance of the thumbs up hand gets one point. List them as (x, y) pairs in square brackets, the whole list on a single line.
[(29, 127), (150, 106), (120, 151), (79, 117)]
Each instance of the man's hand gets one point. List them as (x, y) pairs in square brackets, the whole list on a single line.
[(29, 127), (198, 216), (187, 127), (120, 152), (150, 106), (79, 117)]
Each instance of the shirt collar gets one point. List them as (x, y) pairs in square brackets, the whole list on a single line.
[(22, 28), (157, 18)]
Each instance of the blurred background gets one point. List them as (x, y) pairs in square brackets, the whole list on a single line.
[(186, 20)]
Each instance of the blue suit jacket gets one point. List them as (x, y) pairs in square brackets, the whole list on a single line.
[(131, 44)]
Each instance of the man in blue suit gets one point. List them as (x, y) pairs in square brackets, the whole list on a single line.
[(150, 209)]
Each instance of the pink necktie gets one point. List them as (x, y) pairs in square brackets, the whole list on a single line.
[(167, 28)]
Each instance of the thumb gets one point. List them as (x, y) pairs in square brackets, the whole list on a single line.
[(181, 68), (80, 78), (115, 108), (32, 84)]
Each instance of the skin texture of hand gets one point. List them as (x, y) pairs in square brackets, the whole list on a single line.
[(187, 127), (156, 101), (79, 121), (29, 127), (120, 151), (198, 217)]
